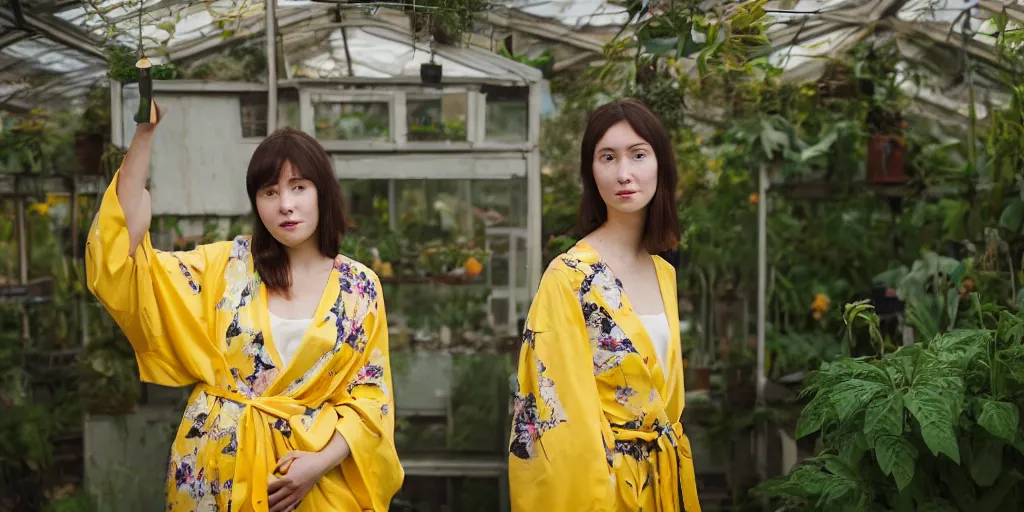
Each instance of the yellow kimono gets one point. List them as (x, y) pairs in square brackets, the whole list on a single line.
[(596, 422), (200, 317)]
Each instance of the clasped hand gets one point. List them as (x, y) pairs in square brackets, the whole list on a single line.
[(299, 471)]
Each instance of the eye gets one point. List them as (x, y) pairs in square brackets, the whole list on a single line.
[(606, 157), (269, 193), (640, 155)]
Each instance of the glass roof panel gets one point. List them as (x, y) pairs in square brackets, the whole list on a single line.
[(375, 53)]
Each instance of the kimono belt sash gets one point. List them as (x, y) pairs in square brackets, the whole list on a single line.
[(255, 458), (670, 448)]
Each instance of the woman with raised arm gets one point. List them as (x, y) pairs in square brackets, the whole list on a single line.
[(284, 340), (596, 423)]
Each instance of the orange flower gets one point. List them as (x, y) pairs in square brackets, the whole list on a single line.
[(473, 267), (753, 198), (820, 306)]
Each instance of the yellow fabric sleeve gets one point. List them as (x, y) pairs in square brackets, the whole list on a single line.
[(560, 439)]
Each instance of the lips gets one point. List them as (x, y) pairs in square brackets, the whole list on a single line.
[(625, 193), (289, 225)]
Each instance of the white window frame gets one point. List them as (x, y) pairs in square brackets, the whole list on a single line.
[(396, 116)]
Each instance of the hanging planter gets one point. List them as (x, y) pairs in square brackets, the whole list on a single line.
[(885, 160), (430, 73)]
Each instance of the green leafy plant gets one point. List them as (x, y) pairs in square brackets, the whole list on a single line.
[(932, 426)]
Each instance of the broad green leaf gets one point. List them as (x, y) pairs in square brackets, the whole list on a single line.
[(821, 148), (884, 416), (959, 338), (986, 458), (1013, 216), (896, 457), (849, 397), (661, 45), (772, 140), (957, 276), (991, 499), (813, 415), (937, 505), (932, 401), (166, 26), (1000, 419)]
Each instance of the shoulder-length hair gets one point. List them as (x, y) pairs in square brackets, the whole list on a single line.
[(661, 230), (311, 162)]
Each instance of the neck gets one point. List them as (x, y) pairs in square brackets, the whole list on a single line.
[(304, 256), (624, 233)]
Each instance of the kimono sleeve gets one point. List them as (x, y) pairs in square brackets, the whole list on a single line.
[(155, 297), (366, 418), (558, 451)]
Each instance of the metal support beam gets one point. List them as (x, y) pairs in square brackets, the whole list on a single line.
[(57, 31), (271, 66), (762, 308), (19, 14), (14, 37)]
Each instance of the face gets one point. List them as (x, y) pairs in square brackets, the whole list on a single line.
[(625, 169), (289, 208)]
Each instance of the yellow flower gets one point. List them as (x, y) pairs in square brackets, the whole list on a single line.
[(41, 208), (820, 306)]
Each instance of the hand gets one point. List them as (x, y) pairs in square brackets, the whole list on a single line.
[(150, 127), (299, 471)]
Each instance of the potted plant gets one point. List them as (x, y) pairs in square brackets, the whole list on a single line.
[(430, 72), (90, 139)]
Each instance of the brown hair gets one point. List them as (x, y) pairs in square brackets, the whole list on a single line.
[(311, 162), (661, 229)]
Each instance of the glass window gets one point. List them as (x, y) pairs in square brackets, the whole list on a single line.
[(254, 112), (507, 109), (334, 120), (440, 118)]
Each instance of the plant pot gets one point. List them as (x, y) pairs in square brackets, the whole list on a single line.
[(430, 73), (885, 160), (89, 152), (885, 300), (702, 379)]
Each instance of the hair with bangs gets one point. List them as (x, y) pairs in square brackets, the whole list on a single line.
[(661, 229), (311, 162)]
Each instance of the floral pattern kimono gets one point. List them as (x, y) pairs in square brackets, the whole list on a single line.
[(596, 421), (200, 317)]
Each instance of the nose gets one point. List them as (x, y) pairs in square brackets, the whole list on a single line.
[(286, 205), (622, 174)]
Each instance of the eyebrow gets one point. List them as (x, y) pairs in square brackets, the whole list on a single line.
[(638, 144)]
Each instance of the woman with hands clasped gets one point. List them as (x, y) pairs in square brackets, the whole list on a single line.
[(284, 340)]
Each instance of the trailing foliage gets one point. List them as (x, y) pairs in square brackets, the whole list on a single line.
[(933, 426)]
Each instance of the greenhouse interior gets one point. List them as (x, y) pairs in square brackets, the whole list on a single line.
[(850, 271)]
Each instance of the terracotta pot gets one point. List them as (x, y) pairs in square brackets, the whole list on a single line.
[(89, 152), (885, 160), (702, 379)]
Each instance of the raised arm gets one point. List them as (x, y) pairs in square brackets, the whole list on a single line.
[(560, 437), (159, 299), (135, 200)]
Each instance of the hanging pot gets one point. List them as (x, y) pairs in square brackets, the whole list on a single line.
[(885, 160), (430, 73)]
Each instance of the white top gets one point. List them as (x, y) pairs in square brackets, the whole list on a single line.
[(288, 333), (657, 330)]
